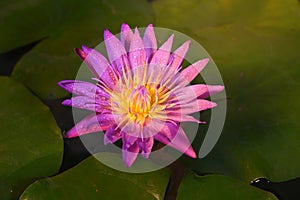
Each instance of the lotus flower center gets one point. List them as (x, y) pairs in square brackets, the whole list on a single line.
[(139, 104)]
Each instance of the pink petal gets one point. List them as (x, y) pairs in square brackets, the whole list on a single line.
[(116, 52), (211, 90), (84, 102), (193, 92), (192, 71), (137, 53), (191, 107), (161, 57), (177, 117), (182, 143), (128, 140), (179, 55), (112, 135), (80, 53), (126, 36), (83, 88), (175, 137), (149, 40), (130, 155), (167, 133), (100, 67), (130, 149), (90, 124), (146, 145)]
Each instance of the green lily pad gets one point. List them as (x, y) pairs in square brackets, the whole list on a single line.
[(215, 187), (25, 21), (53, 59), (31, 143), (93, 180), (256, 47)]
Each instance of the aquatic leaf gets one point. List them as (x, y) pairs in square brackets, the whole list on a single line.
[(217, 187), (31, 143), (93, 180)]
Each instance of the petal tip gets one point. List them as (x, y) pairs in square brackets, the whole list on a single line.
[(221, 88), (136, 31), (67, 102), (70, 134), (171, 38), (213, 104), (205, 60), (107, 34), (61, 84), (125, 27), (129, 159), (106, 140), (187, 44), (80, 53), (86, 49), (66, 85), (190, 152)]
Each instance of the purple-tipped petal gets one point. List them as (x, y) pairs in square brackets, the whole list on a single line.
[(85, 103), (150, 43), (182, 143), (80, 53), (90, 124), (177, 117), (130, 155), (83, 88), (116, 52), (114, 47), (126, 36), (175, 137), (100, 67), (112, 135), (199, 91), (169, 131), (191, 107), (137, 53), (130, 149), (162, 55), (86, 50), (211, 90), (146, 145), (179, 55), (128, 140), (193, 70)]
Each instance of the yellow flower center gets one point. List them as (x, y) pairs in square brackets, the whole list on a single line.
[(139, 104), (139, 101), (136, 100)]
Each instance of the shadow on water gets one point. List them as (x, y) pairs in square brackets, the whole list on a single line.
[(286, 190), (9, 59)]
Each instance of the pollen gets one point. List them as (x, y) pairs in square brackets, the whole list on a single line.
[(139, 104)]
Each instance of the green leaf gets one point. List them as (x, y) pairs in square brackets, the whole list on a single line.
[(31, 143), (93, 180), (53, 59), (215, 187), (256, 46), (26, 21)]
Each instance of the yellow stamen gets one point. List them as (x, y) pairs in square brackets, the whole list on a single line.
[(138, 97)]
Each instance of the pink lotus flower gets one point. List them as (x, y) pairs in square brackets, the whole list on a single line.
[(140, 95)]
